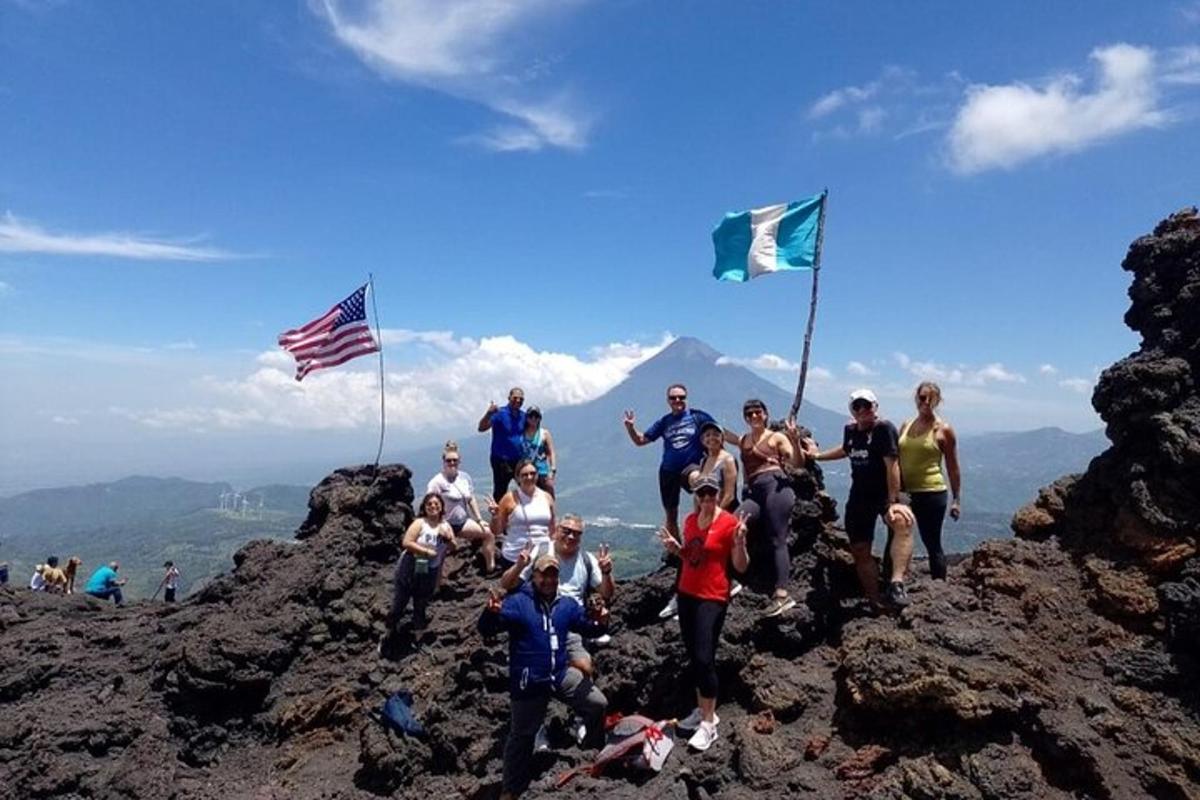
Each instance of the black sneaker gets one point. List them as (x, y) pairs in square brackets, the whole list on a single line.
[(896, 594)]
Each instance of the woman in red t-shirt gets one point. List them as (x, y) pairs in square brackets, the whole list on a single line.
[(712, 537)]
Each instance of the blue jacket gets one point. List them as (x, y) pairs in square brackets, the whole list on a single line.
[(537, 637)]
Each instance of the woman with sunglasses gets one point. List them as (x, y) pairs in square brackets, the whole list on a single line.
[(712, 539), (457, 491), (924, 443), (523, 515), (768, 496), (539, 448)]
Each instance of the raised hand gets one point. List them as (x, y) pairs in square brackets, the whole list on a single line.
[(604, 559), (492, 407), (669, 542), (495, 600), (492, 505), (525, 556), (630, 418), (739, 533), (790, 428)]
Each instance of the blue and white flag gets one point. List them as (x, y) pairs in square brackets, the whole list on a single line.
[(770, 239)]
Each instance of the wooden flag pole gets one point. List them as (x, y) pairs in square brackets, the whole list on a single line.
[(812, 310), (382, 404)]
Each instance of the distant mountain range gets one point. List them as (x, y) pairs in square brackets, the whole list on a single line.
[(602, 476)]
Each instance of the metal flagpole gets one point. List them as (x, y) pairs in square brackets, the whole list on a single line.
[(812, 309), (382, 405)]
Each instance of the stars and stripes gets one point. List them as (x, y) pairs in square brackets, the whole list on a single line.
[(340, 334)]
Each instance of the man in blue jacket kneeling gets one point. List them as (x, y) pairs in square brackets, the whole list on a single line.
[(538, 621)]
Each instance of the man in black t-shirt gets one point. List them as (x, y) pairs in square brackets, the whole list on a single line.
[(872, 445)]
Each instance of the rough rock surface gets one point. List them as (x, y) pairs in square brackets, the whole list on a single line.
[(1058, 664)]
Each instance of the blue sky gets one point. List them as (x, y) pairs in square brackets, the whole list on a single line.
[(533, 185)]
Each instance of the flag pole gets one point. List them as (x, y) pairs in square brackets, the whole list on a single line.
[(812, 309), (382, 405)]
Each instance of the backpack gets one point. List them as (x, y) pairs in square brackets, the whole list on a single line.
[(397, 714), (639, 741)]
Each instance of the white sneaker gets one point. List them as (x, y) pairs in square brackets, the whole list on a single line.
[(671, 609), (704, 736), (541, 742), (578, 729), (735, 589), (692, 721), (600, 640)]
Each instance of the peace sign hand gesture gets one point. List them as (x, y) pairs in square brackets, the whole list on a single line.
[(495, 600), (525, 556), (669, 542), (604, 559), (630, 418)]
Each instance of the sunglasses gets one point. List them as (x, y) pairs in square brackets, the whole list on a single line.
[(860, 405), (571, 532), (754, 412), (676, 397), (527, 475), (450, 461), (706, 493), (925, 398)]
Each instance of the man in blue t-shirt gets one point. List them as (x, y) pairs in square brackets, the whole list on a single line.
[(104, 583), (508, 431), (680, 432)]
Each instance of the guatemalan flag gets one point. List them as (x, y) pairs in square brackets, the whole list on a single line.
[(769, 239)]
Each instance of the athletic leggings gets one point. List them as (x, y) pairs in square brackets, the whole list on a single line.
[(700, 623), (930, 510), (770, 497), (408, 584)]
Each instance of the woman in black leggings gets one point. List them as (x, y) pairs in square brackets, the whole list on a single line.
[(925, 442), (768, 497), (712, 539)]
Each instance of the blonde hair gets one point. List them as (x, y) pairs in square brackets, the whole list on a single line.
[(932, 387)]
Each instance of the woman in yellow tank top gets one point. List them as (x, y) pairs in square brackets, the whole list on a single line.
[(924, 442)]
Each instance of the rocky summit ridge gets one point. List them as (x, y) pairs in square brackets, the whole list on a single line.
[(1057, 664)]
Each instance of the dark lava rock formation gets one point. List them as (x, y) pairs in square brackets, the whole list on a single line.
[(1058, 664)]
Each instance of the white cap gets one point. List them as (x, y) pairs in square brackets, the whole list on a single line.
[(863, 394)]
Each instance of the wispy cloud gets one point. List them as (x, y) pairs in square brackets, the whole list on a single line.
[(22, 236), (859, 369), (1001, 126), (1081, 385), (766, 361), (1181, 65), (957, 375), (1048, 369), (1190, 12), (186, 344), (896, 100), (450, 388), (455, 47)]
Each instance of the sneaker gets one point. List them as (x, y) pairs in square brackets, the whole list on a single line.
[(578, 729), (692, 721), (541, 742), (735, 589), (896, 594), (704, 736), (600, 640), (778, 605), (671, 609)]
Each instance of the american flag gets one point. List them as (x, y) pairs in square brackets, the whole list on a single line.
[(333, 338)]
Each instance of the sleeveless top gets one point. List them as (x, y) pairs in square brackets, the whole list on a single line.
[(921, 461), (754, 459), (537, 452), (716, 473), (528, 522), (428, 537)]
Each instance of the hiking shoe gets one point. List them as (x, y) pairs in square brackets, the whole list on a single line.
[(578, 729), (600, 640), (735, 589), (671, 609), (704, 736), (778, 605), (541, 742), (896, 594), (692, 721)]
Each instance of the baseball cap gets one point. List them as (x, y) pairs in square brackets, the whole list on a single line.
[(710, 426), (707, 482), (545, 562), (863, 394)]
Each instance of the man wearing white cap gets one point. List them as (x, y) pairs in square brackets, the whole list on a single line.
[(872, 445)]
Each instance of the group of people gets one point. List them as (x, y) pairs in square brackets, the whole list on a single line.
[(553, 596), (103, 584)]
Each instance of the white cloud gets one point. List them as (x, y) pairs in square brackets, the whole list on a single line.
[(186, 344), (1182, 65), (961, 375), (58, 419), (858, 368), (451, 388), (21, 236), (766, 361), (1048, 369), (1081, 385), (895, 99), (454, 46), (838, 98), (1002, 126)]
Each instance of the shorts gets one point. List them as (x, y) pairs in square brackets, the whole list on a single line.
[(669, 485), (859, 519), (575, 648)]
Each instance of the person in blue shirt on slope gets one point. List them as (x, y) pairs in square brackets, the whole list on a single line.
[(104, 583), (508, 439)]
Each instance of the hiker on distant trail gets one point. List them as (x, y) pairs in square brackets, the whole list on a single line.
[(104, 583), (680, 432), (526, 514), (508, 429), (872, 445), (712, 539), (425, 545), (169, 583), (585, 578), (457, 491), (924, 442), (55, 579), (768, 497), (538, 621), (538, 446), (72, 570), (36, 582)]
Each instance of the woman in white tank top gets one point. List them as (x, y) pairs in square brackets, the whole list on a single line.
[(525, 514)]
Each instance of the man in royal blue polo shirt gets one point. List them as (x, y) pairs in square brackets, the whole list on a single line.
[(508, 431), (680, 432)]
